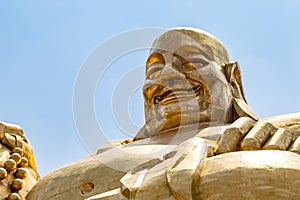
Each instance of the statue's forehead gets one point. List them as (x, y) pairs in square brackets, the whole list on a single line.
[(174, 41)]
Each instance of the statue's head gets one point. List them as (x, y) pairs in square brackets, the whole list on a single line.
[(190, 83)]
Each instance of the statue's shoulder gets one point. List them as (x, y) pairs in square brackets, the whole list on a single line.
[(97, 173)]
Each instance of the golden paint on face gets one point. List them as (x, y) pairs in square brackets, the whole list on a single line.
[(174, 79)]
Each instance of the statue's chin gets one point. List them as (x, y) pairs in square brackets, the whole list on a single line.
[(171, 120), (178, 134), (180, 115), (188, 127), (177, 121)]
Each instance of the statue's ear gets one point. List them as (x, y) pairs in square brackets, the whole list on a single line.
[(233, 75)]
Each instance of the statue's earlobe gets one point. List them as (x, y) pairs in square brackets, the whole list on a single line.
[(233, 75)]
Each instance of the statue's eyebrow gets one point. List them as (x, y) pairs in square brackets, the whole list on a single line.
[(190, 52)]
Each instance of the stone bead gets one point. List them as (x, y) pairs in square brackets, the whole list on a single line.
[(10, 165), (3, 173), (14, 196), (24, 162), (18, 150), (16, 157), (17, 184), (21, 173)]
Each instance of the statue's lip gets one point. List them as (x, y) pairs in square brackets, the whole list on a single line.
[(203, 115), (177, 98), (180, 94)]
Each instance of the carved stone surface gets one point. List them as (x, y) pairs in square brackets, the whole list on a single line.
[(201, 140)]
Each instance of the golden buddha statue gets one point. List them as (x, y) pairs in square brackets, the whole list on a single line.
[(200, 140)]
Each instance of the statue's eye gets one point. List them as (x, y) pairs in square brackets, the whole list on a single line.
[(154, 65), (182, 64), (193, 63), (188, 66)]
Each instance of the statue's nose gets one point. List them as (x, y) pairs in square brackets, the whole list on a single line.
[(169, 73)]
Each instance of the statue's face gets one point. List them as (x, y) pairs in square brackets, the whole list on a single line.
[(184, 86)]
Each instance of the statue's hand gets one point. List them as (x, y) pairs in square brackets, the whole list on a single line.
[(18, 172), (246, 134), (233, 134), (12, 136), (266, 137)]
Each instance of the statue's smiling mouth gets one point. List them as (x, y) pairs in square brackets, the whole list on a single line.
[(171, 96), (168, 96), (177, 103)]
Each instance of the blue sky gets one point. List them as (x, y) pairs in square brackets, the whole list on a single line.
[(44, 43)]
